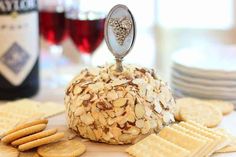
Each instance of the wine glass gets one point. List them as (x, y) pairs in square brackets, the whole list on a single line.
[(53, 24), (53, 31), (85, 27)]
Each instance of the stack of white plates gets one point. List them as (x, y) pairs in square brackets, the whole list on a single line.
[(205, 73)]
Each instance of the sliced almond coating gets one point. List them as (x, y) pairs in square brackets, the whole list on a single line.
[(112, 95), (157, 107), (85, 97), (79, 111), (146, 128), (77, 90), (139, 110), (184, 140), (139, 123), (116, 131), (120, 102), (113, 103), (87, 118)]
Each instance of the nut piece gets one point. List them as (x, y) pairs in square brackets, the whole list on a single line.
[(87, 118), (120, 102), (139, 110), (139, 123)]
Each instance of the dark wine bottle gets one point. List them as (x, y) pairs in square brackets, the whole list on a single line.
[(19, 49)]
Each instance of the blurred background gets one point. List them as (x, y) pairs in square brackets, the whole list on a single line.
[(164, 28)]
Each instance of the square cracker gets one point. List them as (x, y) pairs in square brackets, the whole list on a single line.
[(225, 139), (154, 145), (193, 144), (210, 142), (13, 113), (16, 112), (50, 109), (202, 132)]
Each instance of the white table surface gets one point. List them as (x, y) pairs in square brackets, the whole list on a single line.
[(57, 95)]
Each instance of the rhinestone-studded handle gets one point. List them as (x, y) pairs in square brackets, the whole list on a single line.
[(120, 33)]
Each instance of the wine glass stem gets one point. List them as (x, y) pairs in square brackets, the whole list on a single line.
[(56, 52), (86, 59)]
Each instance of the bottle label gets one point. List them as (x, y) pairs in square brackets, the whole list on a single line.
[(19, 39)]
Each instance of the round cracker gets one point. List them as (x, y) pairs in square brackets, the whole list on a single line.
[(8, 151), (23, 132), (183, 101), (39, 142), (26, 125), (202, 113), (66, 148), (33, 137), (224, 106), (28, 154)]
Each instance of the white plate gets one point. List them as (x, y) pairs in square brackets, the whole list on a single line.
[(205, 94), (204, 74), (179, 93), (202, 81), (217, 61), (218, 58), (208, 88)]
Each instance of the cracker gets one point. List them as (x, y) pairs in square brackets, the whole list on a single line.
[(184, 140), (154, 145), (9, 120), (33, 137), (26, 125), (210, 142), (8, 151), (224, 137), (62, 149), (181, 102), (224, 106), (23, 132), (221, 140), (32, 153), (227, 149), (50, 109), (16, 112), (202, 113), (214, 137), (39, 142), (36, 155)]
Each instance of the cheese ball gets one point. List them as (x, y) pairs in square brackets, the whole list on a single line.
[(113, 107)]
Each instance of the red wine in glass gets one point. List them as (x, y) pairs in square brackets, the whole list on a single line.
[(53, 26), (86, 33)]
